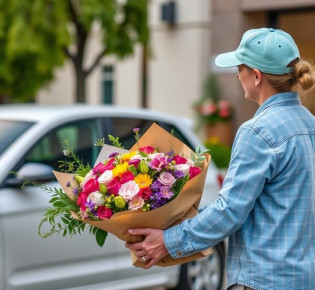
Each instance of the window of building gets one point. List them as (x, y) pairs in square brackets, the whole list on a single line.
[(108, 84)]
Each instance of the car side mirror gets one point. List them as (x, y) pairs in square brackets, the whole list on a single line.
[(37, 172)]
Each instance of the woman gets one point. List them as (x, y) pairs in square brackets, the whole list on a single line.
[(267, 202)]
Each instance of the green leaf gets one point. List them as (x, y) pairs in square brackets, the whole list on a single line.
[(100, 237)]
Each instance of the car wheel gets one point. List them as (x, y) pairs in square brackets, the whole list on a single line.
[(204, 274)]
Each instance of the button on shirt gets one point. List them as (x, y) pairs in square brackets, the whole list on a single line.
[(266, 204)]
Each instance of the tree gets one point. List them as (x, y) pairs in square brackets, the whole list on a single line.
[(38, 36)]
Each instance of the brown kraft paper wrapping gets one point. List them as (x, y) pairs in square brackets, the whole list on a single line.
[(184, 206)]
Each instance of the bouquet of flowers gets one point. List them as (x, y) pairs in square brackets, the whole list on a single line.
[(149, 186)]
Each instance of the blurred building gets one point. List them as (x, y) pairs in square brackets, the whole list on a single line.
[(178, 61), (185, 38)]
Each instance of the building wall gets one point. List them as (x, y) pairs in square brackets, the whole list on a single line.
[(178, 63)]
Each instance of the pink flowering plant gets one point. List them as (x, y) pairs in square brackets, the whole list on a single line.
[(141, 180), (213, 112), (211, 108)]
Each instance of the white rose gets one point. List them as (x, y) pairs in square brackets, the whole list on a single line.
[(96, 198), (128, 190), (182, 167), (190, 163), (106, 177), (135, 203)]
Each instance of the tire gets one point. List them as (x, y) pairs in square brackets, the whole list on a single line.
[(204, 274)]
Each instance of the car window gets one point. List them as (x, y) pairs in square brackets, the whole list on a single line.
[(123, 128), (10, 131), (81, 135)]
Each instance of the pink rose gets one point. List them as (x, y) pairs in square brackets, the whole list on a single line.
[(104, 212), (82, 200), (128, 190), (98, 169), (91, 185), (114, 186), (134, 162), (136, 203), (127, 176), (145, 193), (179, 160), (147, 149), (166, 179), (193, 171)]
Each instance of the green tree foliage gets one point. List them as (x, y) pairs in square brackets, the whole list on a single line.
[(38, 36)]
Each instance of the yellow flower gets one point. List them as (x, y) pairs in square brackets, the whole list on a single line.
[(127, 156), (120, 169), (143, 180)]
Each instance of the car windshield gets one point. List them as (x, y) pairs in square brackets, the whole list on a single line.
[(10, 131)]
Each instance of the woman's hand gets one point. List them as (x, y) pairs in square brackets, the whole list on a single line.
[(152, 249)]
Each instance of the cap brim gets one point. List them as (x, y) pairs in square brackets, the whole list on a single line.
[(227, 59)]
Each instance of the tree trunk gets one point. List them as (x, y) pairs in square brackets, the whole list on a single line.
[(80, 86), (4, 99), (144, 75)]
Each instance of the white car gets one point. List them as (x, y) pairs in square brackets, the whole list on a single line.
[(31, 139)]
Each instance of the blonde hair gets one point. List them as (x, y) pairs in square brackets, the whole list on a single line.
[(301, 79)]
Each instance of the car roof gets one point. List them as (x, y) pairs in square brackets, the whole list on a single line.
[(40, 113)]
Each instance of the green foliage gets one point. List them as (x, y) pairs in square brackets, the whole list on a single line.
[(220, 153), (29, 36), (60, 219), (74, 164), (36, 37), (115, 141)]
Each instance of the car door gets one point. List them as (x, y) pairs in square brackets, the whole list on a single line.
[(31, 262)]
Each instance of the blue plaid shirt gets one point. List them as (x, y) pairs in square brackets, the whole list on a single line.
[(267, 202)]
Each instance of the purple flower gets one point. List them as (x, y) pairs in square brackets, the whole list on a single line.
[(113, 154), (166, 192), (155, 186), (90, 205), (157, 200), (75, 191), (68, 184), (179, 174), (136, 130)]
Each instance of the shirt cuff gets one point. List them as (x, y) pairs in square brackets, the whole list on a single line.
[(172, 241)]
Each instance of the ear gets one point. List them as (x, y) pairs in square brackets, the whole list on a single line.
[(258, 76)]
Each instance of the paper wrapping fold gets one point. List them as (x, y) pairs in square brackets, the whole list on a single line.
[(184, 206)]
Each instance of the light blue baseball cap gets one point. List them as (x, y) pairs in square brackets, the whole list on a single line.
[(266, 49)]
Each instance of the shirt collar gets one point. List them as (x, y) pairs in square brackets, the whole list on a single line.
[(287, 97)]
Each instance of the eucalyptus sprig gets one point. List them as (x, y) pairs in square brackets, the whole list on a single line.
[(199, 157)]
